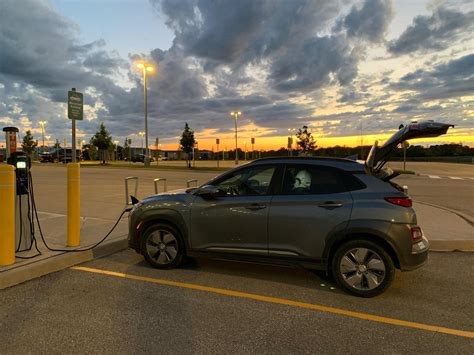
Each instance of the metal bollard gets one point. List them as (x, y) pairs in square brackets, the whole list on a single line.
[(156, 181), (127, 179), (7, 214), (189, 182), (73, 204)]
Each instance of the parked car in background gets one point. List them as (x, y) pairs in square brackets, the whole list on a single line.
[(330, 214), (59, 155), (140, 158)]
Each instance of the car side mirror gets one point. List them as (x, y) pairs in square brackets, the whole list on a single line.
[(207, 192)]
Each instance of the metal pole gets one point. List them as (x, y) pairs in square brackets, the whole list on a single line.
[(42, 133), (73, 155), (236, 152), (217, 155), (147, 152), (404, 156)]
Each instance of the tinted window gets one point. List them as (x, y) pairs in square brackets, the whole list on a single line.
[(247, 182), (311, 179)]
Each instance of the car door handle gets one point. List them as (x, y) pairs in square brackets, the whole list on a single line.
[(330, 204), (255, 207)]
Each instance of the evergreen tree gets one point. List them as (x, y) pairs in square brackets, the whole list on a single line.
[(305, 141), (187, 142), (29, 144), (103, 141)]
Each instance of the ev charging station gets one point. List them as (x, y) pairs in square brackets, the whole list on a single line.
[(23, 209)]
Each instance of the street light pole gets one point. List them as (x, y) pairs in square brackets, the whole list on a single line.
[(236, 114), (141, 134), (42, 123), (145, 69), (291, 131)]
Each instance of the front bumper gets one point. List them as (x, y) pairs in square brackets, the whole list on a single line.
[(133, 235)]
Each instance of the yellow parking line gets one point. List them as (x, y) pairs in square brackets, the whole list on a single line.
[(316, 307)]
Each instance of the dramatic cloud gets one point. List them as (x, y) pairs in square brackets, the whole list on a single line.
[(435, 32)]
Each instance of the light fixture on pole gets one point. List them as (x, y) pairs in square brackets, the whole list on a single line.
[(236, 114), (146, 68)]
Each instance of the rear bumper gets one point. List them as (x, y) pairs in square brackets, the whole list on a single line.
[(411, 255)]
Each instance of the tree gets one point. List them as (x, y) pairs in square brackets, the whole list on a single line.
[(29, 144), (103, 141), (187, 142), (305, 141)]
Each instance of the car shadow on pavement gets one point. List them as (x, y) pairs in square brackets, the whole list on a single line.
[(226, 272)]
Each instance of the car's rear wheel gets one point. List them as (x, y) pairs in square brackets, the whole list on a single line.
[(162, 246), (363, 268)]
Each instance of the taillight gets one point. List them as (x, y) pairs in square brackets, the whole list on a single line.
[(416, 234), (400, 201)]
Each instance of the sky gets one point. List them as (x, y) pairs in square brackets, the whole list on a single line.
[(352, 71)]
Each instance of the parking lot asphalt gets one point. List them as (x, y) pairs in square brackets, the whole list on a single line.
[(103, 192), (77, 311)]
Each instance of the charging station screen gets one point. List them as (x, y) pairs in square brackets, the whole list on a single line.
[(21, 165)]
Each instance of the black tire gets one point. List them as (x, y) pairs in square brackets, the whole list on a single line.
[(360, 273), (162, 246)]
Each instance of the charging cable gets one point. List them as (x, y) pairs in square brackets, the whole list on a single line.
[(34, 213)]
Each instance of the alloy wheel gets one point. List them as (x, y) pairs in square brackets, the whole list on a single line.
[(162, 246), (362, 269)]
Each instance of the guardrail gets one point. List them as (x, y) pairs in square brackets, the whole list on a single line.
[(156, 181), (189, 182), (127, 195)]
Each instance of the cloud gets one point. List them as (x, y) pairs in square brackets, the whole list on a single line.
[(452, 79), (370, 21), (433, 33)]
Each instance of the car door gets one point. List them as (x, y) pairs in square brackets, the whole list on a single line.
[(313, 203), (236, 220)]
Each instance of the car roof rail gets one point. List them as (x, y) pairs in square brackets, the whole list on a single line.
[(345, 160)]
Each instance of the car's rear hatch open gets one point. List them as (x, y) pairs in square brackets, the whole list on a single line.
[(378, 156)]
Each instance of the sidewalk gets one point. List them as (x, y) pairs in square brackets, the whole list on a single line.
[(54, 231), (445, 230)]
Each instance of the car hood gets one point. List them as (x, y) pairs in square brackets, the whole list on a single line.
[(379, 155)]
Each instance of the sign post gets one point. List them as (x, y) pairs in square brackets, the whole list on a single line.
[(252, 140), (217, 143), (75, 109)]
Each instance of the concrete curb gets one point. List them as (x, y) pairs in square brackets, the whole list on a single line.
[(57, 262), (452, 245)]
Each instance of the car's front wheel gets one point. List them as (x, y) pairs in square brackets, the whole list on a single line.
[(162, 246), (363, 268)]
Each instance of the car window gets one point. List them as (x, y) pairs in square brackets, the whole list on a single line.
[(248, 182), (310, 180)]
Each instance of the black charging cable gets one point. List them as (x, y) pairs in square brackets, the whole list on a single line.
[(86, 248), (32, 229)]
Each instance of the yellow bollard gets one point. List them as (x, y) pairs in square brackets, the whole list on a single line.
[(7, 214), (73, 205)]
